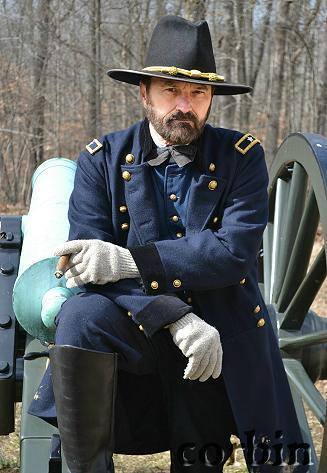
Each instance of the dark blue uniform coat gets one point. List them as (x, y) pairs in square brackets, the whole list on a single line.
[(212, 269)]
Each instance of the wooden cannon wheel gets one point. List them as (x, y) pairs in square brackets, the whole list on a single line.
[(293, 274)]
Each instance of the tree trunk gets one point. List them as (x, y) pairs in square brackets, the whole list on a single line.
[(228, 101), (94, 72), (273, 125), (36, 120), (322, 99), (245, 58), (40, 66), (262, 44), (195, 10)]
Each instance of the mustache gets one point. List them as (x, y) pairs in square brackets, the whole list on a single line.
[(182, 116)]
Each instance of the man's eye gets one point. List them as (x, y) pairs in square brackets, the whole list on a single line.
[(171, 89)]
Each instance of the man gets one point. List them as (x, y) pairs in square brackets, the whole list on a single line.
[(166, 221)]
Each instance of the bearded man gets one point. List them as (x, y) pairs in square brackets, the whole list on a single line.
[(166, 221)]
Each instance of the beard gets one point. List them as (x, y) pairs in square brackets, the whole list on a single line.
[(171, 127)]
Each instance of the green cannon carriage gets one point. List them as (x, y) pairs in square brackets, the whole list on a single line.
[(292, 264)]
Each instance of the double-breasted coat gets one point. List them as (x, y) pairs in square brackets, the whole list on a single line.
[(212, 268)]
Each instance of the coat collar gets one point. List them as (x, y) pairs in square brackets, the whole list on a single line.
[(208, 186), (140, 194)]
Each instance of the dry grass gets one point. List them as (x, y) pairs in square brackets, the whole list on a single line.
[(8, 209), (157, 463), (9, 448)]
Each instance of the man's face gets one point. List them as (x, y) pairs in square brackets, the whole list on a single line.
[(178, 110)]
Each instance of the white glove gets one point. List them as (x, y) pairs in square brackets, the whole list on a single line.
[(97, 262), (200, 342)]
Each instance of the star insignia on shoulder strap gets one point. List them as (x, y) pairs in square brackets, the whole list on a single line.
[(245, 143), (94, 146)]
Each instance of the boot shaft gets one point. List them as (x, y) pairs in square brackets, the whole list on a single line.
[(84, 384)]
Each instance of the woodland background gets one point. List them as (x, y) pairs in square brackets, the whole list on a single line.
[(55, 95)]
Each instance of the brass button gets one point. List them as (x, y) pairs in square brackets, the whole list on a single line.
[(174, 218), (125, 226), (261, 323), (265, 440), (212, 167), (129, 158), (215, 219), (173, 197), (257, 309), (213, 185), (189, 300), (129, 313), (127, 175), (242, 281), (179, 234), (123, 209), (154, 284), (141, 328), (177, 283)]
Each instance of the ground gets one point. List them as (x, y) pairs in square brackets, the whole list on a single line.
[(159, 463)]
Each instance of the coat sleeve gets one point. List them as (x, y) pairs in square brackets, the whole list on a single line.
[(213, 259), (90, 217)]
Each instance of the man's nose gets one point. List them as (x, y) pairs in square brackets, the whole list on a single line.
[(183, 104)]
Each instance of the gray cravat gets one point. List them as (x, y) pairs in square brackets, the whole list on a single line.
[(181, 155)]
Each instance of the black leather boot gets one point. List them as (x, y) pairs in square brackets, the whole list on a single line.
[(84, 384)]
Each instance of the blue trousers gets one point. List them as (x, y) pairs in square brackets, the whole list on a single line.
[(197, 415)]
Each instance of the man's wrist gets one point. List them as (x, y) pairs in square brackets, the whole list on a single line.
[(127, 264), (182, 322)]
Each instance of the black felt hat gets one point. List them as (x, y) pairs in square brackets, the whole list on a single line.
[(181, 50)]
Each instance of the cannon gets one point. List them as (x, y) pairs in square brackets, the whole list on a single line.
[(31, 296), (292, 270)]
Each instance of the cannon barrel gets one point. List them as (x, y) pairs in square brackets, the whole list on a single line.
[(37, 293)]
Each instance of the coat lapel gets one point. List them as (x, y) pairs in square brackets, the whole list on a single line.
[(203, 200), (207, 188), (141, 202)]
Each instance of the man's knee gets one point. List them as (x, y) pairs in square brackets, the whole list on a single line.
[(81, 316)]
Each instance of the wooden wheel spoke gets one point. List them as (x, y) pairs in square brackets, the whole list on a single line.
[(267, 267), (306, 294), (294, 210), (302, 341), (323, 456), (300, 255), (306, 388), (303, 422), (282, 192)]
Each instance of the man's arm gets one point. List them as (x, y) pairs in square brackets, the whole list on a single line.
[(213, 259), (90, 218)]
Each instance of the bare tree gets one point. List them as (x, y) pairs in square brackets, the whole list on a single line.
[(273, 119), (40, 79), (322, 103), (228, 44), (55, 95), (94, 69), (195, 10)]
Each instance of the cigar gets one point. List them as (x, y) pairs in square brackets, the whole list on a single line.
[(62, 263)]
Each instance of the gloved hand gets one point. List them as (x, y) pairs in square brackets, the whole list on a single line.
[(200, 342), (97, 262)]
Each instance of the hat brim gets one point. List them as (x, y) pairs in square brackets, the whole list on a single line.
[(134, 77)]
